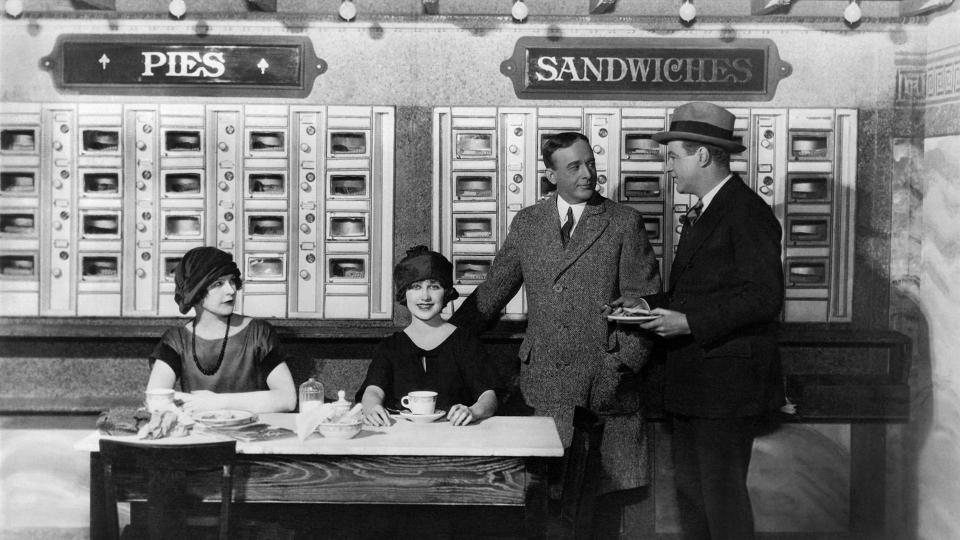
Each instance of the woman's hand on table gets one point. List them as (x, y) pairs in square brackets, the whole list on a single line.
[(460, 415), (200, 400), (376, 415)]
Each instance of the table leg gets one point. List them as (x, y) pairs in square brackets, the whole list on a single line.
[(535, 509)]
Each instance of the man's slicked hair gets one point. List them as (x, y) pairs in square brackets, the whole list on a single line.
[(557, 141)]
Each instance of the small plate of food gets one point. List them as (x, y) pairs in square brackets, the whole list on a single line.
[(225, 418), (631, 315)]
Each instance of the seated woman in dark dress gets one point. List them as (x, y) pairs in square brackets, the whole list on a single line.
[(430, 353), (222, 360)]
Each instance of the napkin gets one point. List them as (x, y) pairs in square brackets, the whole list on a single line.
[(308, 421)]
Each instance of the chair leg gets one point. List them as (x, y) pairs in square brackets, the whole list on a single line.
[(111, 521)]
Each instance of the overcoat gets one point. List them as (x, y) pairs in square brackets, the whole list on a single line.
[(571, 355), (728, 280)]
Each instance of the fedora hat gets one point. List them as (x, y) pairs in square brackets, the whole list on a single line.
[(702, 122)]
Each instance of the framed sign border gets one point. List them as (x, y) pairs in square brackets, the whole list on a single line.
[(515, 68), (311, 67)]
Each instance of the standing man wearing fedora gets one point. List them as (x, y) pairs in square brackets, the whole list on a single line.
[(718, 319)]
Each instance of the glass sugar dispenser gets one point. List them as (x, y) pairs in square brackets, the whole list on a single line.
[(311, 395)]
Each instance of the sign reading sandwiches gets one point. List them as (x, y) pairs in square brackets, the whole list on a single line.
[(653, 69), (183, 65)]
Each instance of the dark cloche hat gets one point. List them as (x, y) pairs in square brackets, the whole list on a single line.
[(198, 268), (699, 121), (420, 264)]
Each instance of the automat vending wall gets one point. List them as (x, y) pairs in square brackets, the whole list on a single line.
[(801, 161), (99, 201)]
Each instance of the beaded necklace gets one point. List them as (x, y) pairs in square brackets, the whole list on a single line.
[(223, 349)]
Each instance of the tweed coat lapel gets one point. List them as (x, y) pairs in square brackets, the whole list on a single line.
[(693, 237), (591, 226)]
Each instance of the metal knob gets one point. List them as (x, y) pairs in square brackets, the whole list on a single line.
[(56, 272), (57, 225), (228, 176), (223, 185), (518, 178), (765, 190), (304, 147), (513, 188), (223, 147), (142, 227), (57, 145), (141, 185), (305, 228), (147, 128), (64, 128), (304, 274), (304, 186), (311, 130), (229, 130), (310, 177), (602, 179), (141, 145), (597, 149), (146, 175), (57, 184), (518, 131), (223, 227), (513, 149), (602, 132), (64, 174), (141, 273)]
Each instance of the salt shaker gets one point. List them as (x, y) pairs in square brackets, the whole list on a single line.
[(311, 395)]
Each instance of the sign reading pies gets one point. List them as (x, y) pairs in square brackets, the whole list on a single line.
[(652, 69), (180, 65)]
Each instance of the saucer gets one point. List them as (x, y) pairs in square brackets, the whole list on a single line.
[(225, 418), (421, 418)]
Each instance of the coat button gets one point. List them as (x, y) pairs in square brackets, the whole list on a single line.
[(557, 287)]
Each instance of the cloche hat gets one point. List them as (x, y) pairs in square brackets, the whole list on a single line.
[(699, 121)]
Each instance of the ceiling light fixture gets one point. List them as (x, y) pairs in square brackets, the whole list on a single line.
[(347, 10), (177, 8), (519, 11), (688, 12), (13, 8), (852, 13)]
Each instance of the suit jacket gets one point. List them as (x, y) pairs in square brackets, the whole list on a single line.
[(571, 355), (727, 277)]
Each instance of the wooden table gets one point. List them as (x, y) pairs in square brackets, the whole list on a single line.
[(500, 461)]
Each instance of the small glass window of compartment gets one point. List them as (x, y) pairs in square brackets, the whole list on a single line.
[(809, 187), (18, 266), (185, 183), (654, 226), (182, 142), (266, 226), (266, 184), (18, 183), (348, 185), (545, 187), (808, 230), (100, 141), (471, 270), (100, 267), (641, 147), (183, 225), (348, 144), (101, 183), (810, 146), (18, 223), (806, 273), (642, 187), (475, 227), (346, 226), (473, 186), (19, 140), (474, 144), (741, 137), (266, 142), (170, 264), (265, 267), (100, 224), (346, 269)]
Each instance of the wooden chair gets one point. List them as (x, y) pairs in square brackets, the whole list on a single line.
[(581, 480), (166, 467)]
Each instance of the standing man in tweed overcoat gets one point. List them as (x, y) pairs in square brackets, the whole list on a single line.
[(571, 355), (722, 371)]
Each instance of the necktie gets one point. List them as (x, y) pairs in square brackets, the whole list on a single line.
[(566, 228), (694, 213)]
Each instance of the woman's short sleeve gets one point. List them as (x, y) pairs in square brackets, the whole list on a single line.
[(271, 353), (167, 352)]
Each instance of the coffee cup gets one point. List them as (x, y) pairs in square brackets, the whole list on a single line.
[(420, 402), (159, 399)]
